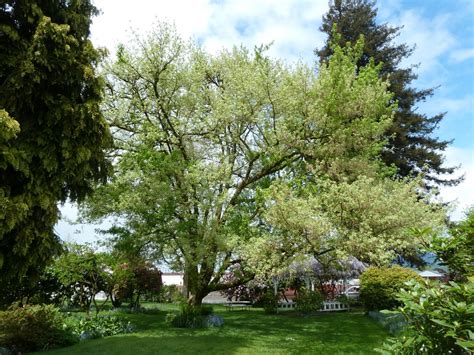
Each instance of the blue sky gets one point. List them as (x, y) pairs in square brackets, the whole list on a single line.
[(441, 30)]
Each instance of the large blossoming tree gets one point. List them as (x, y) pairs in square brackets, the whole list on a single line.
[(199, 138)]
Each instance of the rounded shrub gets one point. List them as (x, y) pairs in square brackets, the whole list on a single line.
[(308, 301), (99, 326), (34, 327), (190, 317), (269, 302), (379, 286)]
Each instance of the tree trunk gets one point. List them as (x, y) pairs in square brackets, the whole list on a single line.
[(185, 291), (197, 285), (196, 298)]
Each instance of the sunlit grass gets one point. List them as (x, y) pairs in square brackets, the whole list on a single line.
[(244, 332)]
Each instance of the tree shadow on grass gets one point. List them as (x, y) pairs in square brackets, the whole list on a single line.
[(244, 332), (135, 344)]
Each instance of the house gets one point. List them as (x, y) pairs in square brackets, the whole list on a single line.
[(172, 278)]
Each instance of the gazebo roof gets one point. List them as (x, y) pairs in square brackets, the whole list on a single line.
[(349, 268)]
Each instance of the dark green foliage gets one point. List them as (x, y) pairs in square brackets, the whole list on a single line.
[(98, 327), (171, 294), (308, 301), (393, 321), (440, 320), (379, 286), (411, 148), (190, 316), (132, 282), (269, 302), (48, 289), (53, 132), (146, 280), (141, 309), (32, 328), (82, 274), (457, 250)]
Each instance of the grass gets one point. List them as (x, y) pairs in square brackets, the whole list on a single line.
[(244, 332)]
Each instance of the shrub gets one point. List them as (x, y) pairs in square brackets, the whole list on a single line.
[(171, 294), (190, 317), (379, 286), (269, 302), (34, 327), (392, 321), (99, 326), (348, 300), (440, 320), (308, 301), (140, 310)]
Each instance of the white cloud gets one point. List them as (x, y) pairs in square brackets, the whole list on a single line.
[(70, 231), (438, 104), (463, 194), (431, 37), (118, 18), (461, 55), (291, 24)]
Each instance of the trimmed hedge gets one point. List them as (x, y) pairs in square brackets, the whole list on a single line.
[(379, 286)]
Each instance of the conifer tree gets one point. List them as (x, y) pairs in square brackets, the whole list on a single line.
[(411, 146), (52, 134)]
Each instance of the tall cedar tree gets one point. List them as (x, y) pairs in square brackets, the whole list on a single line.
[(411, 148), (53, 135)]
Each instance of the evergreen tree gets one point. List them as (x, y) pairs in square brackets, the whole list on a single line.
[(52, 134), (411, 148)]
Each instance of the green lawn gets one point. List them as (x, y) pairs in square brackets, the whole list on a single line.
[(244, 332)]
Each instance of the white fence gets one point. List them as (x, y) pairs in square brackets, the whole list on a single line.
[(328, 306), (332, 306)]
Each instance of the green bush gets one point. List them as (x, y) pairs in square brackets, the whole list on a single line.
[(34, 327), (440, 320), (190, 317), (379, 286), (308, 301), (348, 300), (171, 294), (269, 302), (98, 327), (135, 310)]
